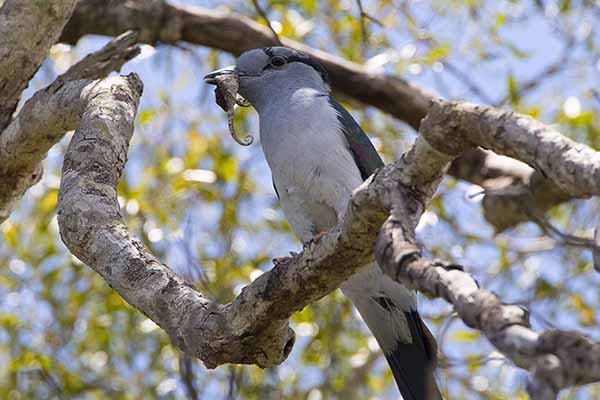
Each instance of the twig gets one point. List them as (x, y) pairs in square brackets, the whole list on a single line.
[(451, 68), (52, 383), (467, 81), (546, 73), (231, 387), (363, 27), (187, 377), (263, 15), (441, 336), (552, 231), (596, 95), (596, 251), (364, 33), (358, 376)]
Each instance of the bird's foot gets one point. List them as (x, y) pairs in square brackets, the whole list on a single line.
[(286, 260), (314, 239)]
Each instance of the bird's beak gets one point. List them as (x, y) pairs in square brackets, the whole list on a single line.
[(210, 78)]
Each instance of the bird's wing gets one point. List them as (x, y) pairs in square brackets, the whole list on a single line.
[(366, 157)]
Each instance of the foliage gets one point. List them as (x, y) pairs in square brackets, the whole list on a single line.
[(207, 208)]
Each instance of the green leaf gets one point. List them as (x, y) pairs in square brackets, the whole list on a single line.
[(513, 90), (147, 116), (466, 336)]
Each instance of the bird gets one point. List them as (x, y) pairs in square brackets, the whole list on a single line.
[(318, 154)]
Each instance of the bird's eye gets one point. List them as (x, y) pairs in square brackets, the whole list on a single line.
[(277, 61)]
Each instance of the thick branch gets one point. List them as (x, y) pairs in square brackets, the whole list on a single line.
[(572, 167), (512, 188), (556, 359), (48, 115), (158, 21), (254, 328), (27, 30)]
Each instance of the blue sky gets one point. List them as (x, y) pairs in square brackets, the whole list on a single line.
[(177, 74)]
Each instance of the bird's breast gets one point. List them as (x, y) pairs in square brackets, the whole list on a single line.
[(307, 151)]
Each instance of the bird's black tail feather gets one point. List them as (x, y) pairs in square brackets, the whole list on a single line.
[(413, 364)]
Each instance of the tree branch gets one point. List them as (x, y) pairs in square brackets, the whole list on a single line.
[(549, 71), (48, 115), (22, 49), (262, 13), (254, 327), (556, 359), (158, 21), (572, 166)]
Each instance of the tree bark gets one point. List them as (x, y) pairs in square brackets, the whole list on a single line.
[(556, 359), (23, 49), (254, 327), (48, 115)]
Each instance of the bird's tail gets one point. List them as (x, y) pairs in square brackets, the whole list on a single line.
[(389, 310), (413, 364)]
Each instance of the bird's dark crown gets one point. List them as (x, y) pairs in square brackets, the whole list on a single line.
[(292, 55)]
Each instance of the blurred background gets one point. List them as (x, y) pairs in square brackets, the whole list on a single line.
[(206, 206)]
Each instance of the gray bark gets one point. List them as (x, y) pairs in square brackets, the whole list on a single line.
[(48, 115), (254, 327), (510, 189), (92, 228), (22, 49), (556, 359)]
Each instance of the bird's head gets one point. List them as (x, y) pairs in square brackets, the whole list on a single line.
[(271, 71)]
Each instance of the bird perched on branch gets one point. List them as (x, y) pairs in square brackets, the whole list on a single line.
[(318, 155)]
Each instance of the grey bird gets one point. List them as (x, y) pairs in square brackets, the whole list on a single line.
[(318, 155)]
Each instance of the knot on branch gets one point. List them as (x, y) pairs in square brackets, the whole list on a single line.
[(544, 373), (578, 357), (491, 315), (210, 336), (134, 88), (442, 128)]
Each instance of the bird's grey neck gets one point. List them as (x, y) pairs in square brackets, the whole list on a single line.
[(291, 114), (284, 94), (290, 100)]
